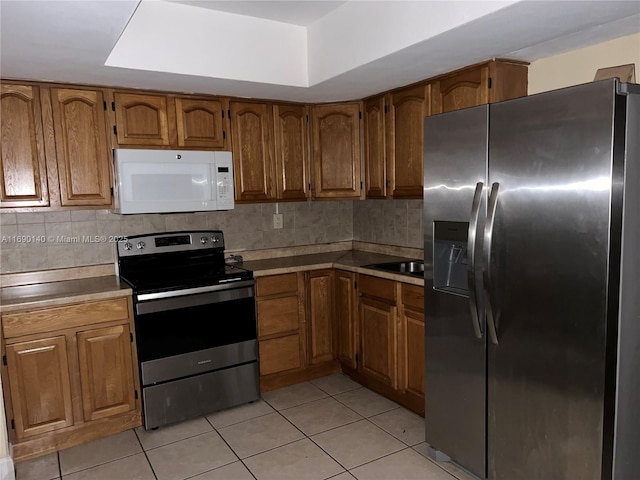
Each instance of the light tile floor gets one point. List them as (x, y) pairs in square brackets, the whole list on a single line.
[(331, 428)]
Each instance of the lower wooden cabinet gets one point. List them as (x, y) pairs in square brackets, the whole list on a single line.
[(411, 359), (346, 313), (321, 309), (66, 381)]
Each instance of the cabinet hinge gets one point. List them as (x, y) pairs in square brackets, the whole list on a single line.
[(361, 185), (131, 337), (360, 115), (229, 113), (357, 358), (386, 109), (223, 113), (115, 130), (490, 82), (224, 135), (4, 359), (13, 424), (307, 118), (355, 285), (105, 104), (136, 394), (113, 106), (112, 191)]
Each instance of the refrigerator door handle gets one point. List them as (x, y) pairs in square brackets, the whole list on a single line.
[(471, 248), (488, 286)]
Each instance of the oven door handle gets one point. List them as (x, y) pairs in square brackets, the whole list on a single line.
[(190, 291), (197, 296)]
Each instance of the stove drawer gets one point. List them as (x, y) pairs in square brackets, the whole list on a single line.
[(71, 316)]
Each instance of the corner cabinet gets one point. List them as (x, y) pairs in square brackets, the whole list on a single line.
[(81, 146), (70, 375), (22, 150), (252, 147), (336, 150)]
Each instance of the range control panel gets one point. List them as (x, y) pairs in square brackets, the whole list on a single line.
[(170, 242)]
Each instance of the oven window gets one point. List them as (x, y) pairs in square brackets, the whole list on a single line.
[(189, 329)]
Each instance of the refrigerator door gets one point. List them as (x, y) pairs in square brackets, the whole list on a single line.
[(551, 163), (455, 347)]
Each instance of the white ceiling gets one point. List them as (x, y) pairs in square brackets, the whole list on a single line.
[(297, 50)]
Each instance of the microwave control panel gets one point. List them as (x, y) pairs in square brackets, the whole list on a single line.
[(224, 181)]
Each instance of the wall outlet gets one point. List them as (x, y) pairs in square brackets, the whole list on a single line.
[(277, 220)]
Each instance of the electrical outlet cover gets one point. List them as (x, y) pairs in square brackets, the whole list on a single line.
[(277, 220)]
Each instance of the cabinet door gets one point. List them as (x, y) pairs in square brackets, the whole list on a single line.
[(106, 371), (22, 154), (320, 331), (412, 352), (374, 148), (378, 347), (405, 154), (336, 150), (468, 88), (40, 386), (346, 318), (142, 119), (200, 123), (81, 146), (291, 151), (252, 151)]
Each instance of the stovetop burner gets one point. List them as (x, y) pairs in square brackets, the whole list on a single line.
[(172, 261)]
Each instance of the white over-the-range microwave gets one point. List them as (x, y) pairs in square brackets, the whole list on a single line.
[(165, 181)]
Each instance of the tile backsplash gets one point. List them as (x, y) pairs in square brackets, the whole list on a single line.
[(85, 237)]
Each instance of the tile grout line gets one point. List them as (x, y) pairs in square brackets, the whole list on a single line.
[(153, 471), (230, 448)]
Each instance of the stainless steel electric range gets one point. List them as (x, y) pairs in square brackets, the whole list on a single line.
[(195, 324)]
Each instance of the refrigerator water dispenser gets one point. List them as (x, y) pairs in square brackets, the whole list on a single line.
[(450, 262)]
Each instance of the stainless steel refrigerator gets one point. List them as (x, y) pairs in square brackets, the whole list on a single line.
[(532, 285)]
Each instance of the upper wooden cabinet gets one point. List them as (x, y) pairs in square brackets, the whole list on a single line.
[(200, 123), (336, 150), (81, 146), (374, 147), (142, 119), (254, 170), (291, 151), (167, 121), (487, 83), (22, 151), (405, 141)]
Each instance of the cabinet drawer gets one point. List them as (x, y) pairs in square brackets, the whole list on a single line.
[(279, 354), (276, 284), (72, 316), (277, 315), (377, 287), (413, 296)]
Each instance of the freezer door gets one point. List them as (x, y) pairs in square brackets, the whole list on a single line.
[(455, 348), (550, 169)]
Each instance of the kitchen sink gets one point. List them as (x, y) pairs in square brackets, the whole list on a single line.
[(411, 267)]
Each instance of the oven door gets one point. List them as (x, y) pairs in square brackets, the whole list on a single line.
[(187, 332)]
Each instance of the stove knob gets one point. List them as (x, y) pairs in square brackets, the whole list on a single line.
[(127, 246), (140, 245), (215, 239), (204, 240)]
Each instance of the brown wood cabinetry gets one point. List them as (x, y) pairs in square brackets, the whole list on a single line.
[(405, 145), (374, 147), (411, 355), (281, 323), (143, 119), (70, 376), (346, 315), (478, 85), (169, 121), (22, 150), (291, 151), (321, 308), (252, 143), (81, 146), (378, 330), (336, 150)]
